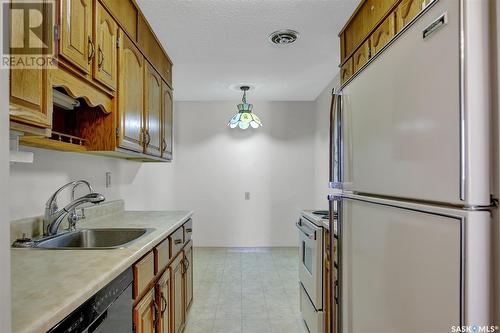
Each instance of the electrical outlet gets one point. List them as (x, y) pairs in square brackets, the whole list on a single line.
[(108, 179), (247, 195)]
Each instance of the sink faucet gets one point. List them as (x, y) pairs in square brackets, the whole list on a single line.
[(54, 217)]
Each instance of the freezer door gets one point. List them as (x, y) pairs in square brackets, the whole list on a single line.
[(413, 124), (411, 268)]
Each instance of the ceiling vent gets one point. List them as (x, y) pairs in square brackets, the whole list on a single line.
[(284, 37)]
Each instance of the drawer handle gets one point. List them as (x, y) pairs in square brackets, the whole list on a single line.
[(178, 241), (189, 230)]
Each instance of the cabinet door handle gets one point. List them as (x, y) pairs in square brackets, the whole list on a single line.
[(177, 241), (141, 137), (189, 230), (155, 314), (91, 50), (164, 304), (100, 57), (163, 145)]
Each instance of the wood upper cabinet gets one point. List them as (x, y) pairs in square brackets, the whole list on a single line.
[(406, 11), (163, 302), (167, 121), (106, 36), (153, 50), (384, 33), (145, 314), (75, 43), (130, 96), (28, 86), (153, 110), (361, 56), (126, 13), (346, 71), (177, 298)]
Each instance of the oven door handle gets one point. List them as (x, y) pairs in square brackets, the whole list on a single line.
[(308, 235)]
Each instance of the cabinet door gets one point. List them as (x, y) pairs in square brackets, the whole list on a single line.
[(162, 301), (145, 314), (105, 63), (406, 11), (131, 96), (188, 275), (178, 294), (28, 97), (152, 95), (167, 121), (75, 43), (346, 71), (361, 56), (28, 86), (384, 33)]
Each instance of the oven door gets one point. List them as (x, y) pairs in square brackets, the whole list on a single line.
[(311, 260)]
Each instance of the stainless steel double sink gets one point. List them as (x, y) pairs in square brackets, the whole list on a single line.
[(91, 239)]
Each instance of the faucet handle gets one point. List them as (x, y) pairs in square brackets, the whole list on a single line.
[(82, 216), (53, 207)]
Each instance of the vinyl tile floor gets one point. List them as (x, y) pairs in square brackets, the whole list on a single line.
[(250, 290)]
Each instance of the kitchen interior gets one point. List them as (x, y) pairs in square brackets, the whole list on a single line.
[(251, 166)]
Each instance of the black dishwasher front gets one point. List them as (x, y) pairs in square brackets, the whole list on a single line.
[(108, 311)]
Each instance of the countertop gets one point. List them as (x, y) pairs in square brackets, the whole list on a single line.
[(47, 285)]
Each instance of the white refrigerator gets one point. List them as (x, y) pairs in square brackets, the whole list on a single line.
[(410, 179)]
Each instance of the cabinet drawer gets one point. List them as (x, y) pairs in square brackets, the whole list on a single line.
[(384, 33), (143, 274), (162, 255), (188, 230), (346, 71), (314, 319), (361, 56), (176, 241)]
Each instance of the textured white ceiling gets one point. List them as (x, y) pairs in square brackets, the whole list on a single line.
[(216, 44)]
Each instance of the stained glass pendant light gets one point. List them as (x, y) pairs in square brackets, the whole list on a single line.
[(245, 118)]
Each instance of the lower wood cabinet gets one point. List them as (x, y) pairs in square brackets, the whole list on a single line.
[(163, 302), (145, 314), (177, 298), (188, 274), (166, 286)]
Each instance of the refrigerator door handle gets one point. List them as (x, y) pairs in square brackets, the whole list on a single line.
[(335, 142)]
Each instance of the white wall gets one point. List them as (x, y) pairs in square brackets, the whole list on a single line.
[(144, 186), (212, 169), (216, 165), (322, 145), (4, 213)]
